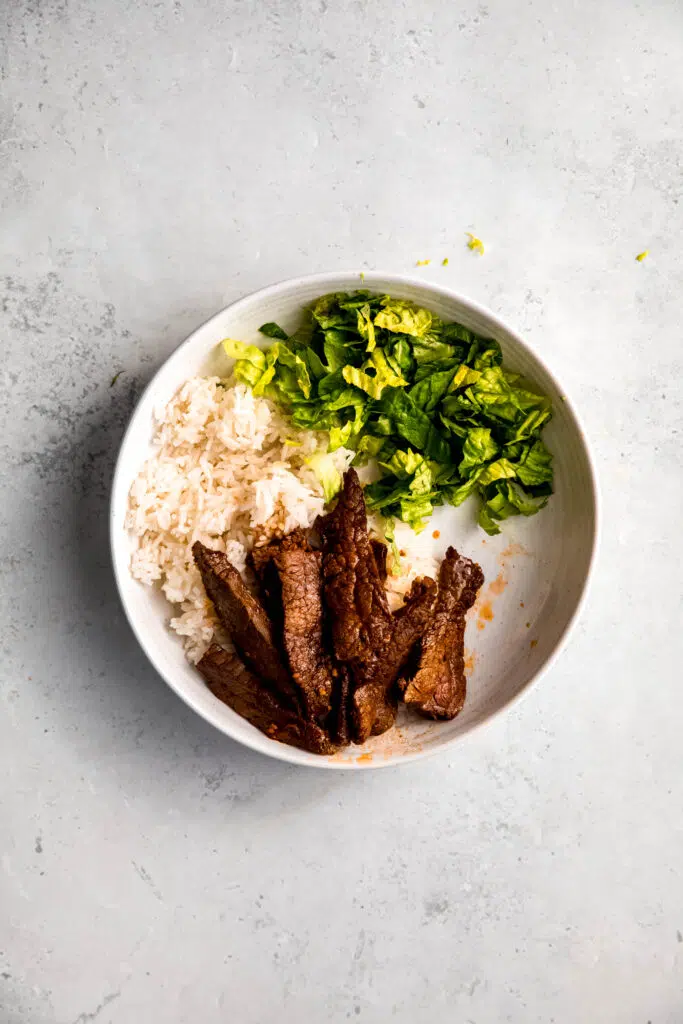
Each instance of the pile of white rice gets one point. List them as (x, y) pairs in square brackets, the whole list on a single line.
[(228, 471)]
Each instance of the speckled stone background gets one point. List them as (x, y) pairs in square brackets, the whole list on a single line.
[(160, 159)]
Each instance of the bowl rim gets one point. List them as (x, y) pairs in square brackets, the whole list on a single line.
[(262, 744)]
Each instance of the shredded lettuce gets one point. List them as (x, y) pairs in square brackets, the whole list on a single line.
[(431, 402), (390, 537), (272, 330), (326, 473)]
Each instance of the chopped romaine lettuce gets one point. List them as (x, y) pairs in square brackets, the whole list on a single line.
[(430, 402), (327, 474)]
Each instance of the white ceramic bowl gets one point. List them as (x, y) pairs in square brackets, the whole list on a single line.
[(536, 571)]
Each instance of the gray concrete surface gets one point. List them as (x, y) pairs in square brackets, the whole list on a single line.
[(161, 159)]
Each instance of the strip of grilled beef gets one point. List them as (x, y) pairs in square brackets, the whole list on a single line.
[(290, 577), (438, 686), (244, 619), (374, 705), (341, 692), (300, 575), (360, 621), (270, 592), (367, 638), (380, 551), (230, 681)]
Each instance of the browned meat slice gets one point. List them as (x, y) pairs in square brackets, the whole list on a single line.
[(366, 637), (374, 705), (339, 719), (380, 551), (270, 592), (300, 576), (231, 681), (437, 689), (243, 617), (360, 617), (259, 558), (360, 621)]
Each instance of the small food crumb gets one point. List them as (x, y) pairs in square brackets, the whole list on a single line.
[(533, 643), (423, 263), (436, 534), (362, 276), (528, 625), (363, 758), (643, 255), (402, 553), (475, 244), (486, 612), (498, 585), (521, 604), (115, 378), (444, 261)]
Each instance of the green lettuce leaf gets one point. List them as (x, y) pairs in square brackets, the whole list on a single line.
[(382, 377), (431, 402), (414, 425), (272, 330), (479, 448), (403, 317), (390, 537), (427, 394), (366, 327), (405, 464), (535, 467), (250, 361), (327, 474), (416, 511)]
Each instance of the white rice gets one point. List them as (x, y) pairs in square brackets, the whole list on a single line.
[(222, 473)]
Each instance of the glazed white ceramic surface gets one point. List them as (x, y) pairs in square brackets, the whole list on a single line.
[(536, 570)]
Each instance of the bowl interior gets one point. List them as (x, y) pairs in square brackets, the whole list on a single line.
[(536, 569)]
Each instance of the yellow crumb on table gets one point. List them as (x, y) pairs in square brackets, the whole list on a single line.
[(475, 244)]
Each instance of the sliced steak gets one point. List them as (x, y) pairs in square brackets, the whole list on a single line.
[(300, 576), (230, 681), (243, 617), (261, 562), (360, 621), (438, 686), (360, 618), (258, 558), (339, 719), (375, 705), (366, 637), (380, 551)]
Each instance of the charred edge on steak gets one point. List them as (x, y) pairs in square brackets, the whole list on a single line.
[(373, 643), (374, 705), (244, 619), (230, 681), (290, 577), (437, 686), (380, 552), (300, 575)]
